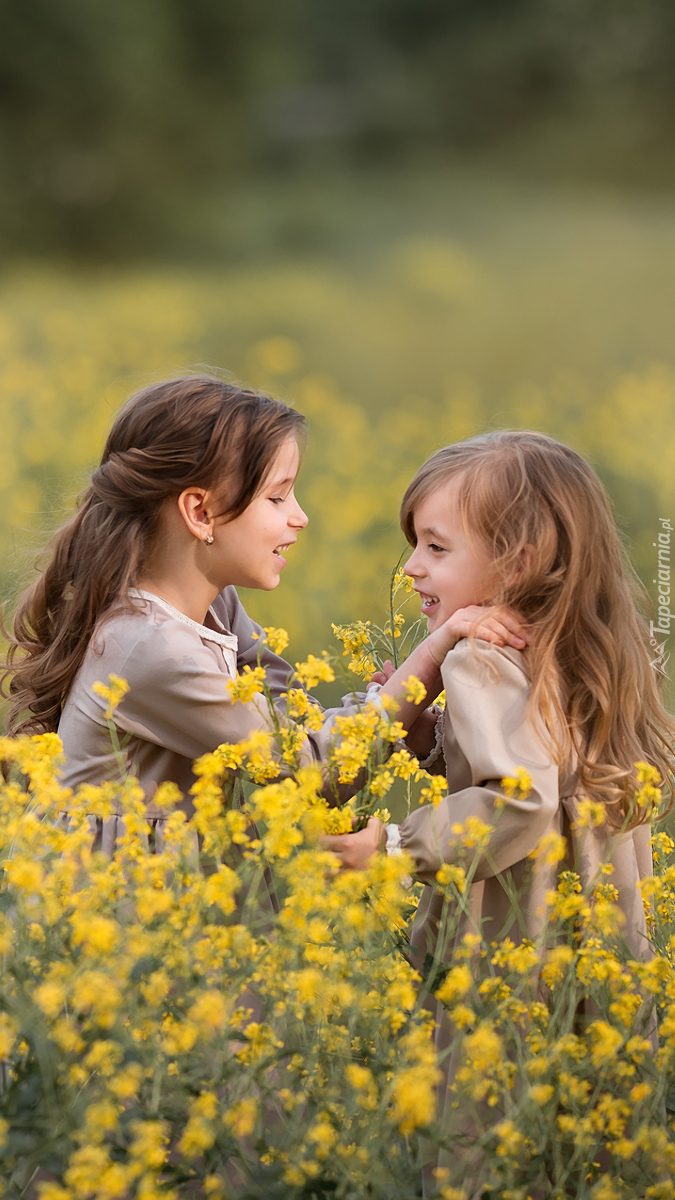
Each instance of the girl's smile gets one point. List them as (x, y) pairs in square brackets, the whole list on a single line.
[(250, 550), (449, 570)]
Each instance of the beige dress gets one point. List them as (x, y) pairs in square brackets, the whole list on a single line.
[(488, 733), (177, 707)]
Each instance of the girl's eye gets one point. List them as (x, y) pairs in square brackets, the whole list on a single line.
[(433, 546)]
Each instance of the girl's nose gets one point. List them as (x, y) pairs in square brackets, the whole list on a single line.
[(299, 518), (410, 567)]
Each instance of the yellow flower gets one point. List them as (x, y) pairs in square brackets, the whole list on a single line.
[(605, 1189), (414, 1098), (517, 786), (473, 832), (605, 1042), (149, 1143), (248, 683), (356, 639), (257, 749), (85, 1168), (52, 1191), (199, 1133), (95, 933), (555, 967), (214, 1185), (434, 793), (314, 670), (589, 814), (522, 958), (8, 1032), (324, 1137), (126, 1082), (302, 707), (103, 1056), (625, 1006), (414, 690), (381, 781), (550, 850), (50, 996), (510, 1139), (25, 874), (230, 754), (337, 820), (361, 1079), (241, 1118), (114, 692), (457, 982), (646, 773), (209, 1011), (221, 887), (404, 765), (277, 639), (401, 580), (449, 874)]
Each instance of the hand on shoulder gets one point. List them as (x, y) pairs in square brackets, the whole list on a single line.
[(499, 626)]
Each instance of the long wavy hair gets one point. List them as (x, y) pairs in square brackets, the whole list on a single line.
[(557, 559), (192, 431)]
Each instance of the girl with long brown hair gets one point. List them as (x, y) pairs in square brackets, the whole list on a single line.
[(194, 495), (518, 519)]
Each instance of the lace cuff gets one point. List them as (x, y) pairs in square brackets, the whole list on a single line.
[(393, 845), (373, 695)]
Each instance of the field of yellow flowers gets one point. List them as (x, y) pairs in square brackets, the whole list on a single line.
[(218, 1011), (247, 1024), (379, 363)]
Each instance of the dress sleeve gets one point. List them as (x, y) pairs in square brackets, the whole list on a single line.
[(493, 733)]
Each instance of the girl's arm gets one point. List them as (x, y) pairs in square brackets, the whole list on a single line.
[(494, 735), (496, 626)]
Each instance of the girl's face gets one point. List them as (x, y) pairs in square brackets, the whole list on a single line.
[(450, 572), (249, 551)]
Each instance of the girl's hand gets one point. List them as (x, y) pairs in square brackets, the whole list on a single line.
[(499, 625), (386, 673), (356, 849)]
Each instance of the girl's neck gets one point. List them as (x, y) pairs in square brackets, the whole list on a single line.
[(192, 598)]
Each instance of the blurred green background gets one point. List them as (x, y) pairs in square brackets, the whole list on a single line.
[(415, 218)]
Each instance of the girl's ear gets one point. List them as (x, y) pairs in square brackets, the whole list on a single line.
[(192, 506)]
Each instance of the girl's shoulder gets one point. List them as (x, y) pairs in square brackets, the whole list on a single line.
[(150, 630), (480, 663)]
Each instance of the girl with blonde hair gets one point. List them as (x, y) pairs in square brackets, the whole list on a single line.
[(520, 520)]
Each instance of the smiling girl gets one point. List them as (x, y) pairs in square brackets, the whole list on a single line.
[(518, 519), (193, 497)]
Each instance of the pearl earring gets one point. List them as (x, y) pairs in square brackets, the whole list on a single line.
[(208, 540)]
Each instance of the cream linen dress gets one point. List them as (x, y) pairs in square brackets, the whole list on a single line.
[(177, 707)]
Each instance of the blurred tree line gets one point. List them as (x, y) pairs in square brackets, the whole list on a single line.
[(122, 124)]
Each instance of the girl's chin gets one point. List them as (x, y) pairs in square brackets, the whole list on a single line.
[(433, 619)]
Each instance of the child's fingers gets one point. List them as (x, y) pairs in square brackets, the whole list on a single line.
[(493, 630), (513, 623)]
